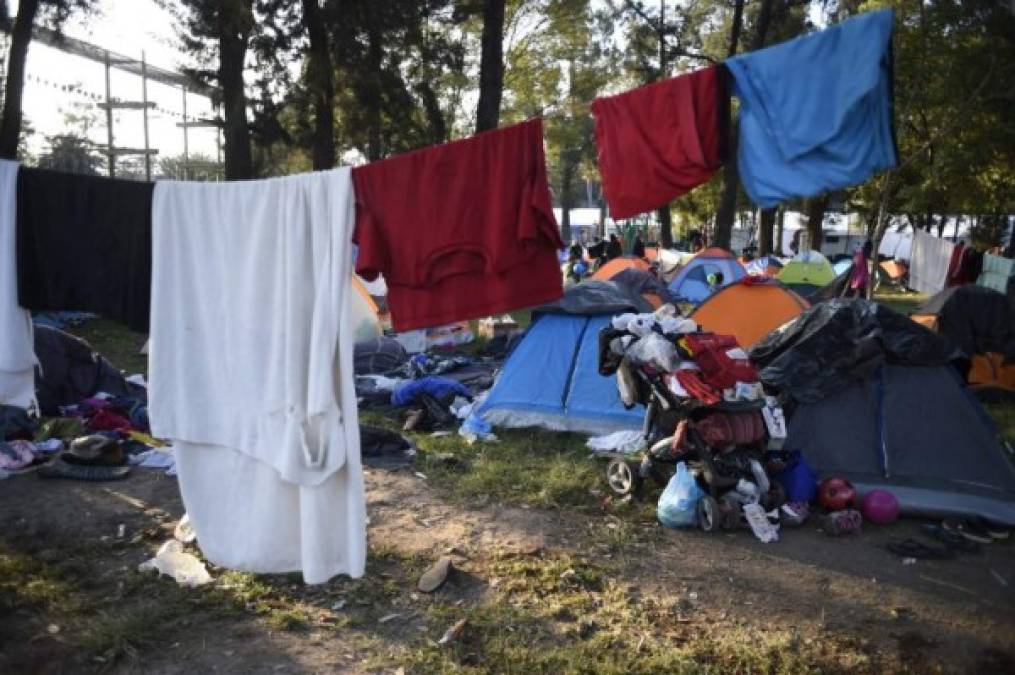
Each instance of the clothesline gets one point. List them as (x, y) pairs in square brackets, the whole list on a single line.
[(248, 282)]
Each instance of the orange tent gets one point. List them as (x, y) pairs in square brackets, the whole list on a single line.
[(894, 270), (618, 265), (749, 309), (989, 370)]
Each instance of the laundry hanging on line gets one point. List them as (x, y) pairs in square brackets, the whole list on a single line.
[(84, 243), (816, 112), (251, 372), (461, 230), (17, 356), (658, 142)]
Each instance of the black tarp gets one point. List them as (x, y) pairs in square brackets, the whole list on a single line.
[(842, 342), (596, 297), (977, 319), (379, 355), (640, 281)]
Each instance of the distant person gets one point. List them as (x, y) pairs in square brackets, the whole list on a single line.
[(614, 248), (597, 251), (638, 248), (714, 280), (576, 252), (697, 243), (794, 244), (859, 277)]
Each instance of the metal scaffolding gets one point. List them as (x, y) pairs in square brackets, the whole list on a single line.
[(141, 68)]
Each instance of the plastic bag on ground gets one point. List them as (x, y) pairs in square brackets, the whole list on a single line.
[(475, 428), (679, 501), (798, 480), (174, 562)]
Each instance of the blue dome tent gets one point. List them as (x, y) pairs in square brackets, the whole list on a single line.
[(552, 378), (691, 283)]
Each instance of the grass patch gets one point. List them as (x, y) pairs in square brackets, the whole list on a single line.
[(562, 614), (902, 301), (1004, 417), (120, 345), (538, 468), (26, 582)]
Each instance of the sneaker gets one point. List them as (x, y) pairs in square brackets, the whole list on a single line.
[(967, 528), (952, 540), (990, 529)]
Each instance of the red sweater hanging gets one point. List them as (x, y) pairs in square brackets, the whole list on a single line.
[(460, 230), (659, 141)]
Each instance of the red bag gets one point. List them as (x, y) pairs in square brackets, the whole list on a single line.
[(721, 429), (717, 368)]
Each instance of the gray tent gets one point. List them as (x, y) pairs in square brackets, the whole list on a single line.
[(915, 431), (877, 401)]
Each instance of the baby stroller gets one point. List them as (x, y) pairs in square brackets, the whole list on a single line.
[(724, 443)]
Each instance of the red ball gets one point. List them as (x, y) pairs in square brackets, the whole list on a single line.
[(880, 506), (836, 494)]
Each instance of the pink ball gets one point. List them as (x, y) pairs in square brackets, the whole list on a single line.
[(880, 506)]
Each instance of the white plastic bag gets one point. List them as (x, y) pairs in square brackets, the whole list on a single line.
[(173, 561), (656, 350)]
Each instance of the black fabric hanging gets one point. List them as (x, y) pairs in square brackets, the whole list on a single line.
[(84, 243)]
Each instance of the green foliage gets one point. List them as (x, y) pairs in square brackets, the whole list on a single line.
[(69, 152), (955, 125)]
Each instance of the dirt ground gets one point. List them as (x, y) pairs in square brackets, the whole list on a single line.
[(72, 601)]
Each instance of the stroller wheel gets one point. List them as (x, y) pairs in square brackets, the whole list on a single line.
[(708, 514), (623, 480)]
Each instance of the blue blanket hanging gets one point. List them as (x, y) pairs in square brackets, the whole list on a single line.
[(816, 112)]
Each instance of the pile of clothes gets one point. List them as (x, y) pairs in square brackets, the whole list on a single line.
[(706, 412), (433, 389), (93, 440)]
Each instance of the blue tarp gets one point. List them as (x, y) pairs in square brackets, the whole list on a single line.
[(816, 111)]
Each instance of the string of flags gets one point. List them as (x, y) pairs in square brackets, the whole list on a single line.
[(79, 90)]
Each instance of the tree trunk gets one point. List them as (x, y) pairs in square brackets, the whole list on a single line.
[(434, 115), (879, 232), (726, 211), (566, 201), (940, 224), (491, 66), (780, 230), (816, 207), (765, 232), (10, 124), (321, 78), (235, 20), (665, 227)]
